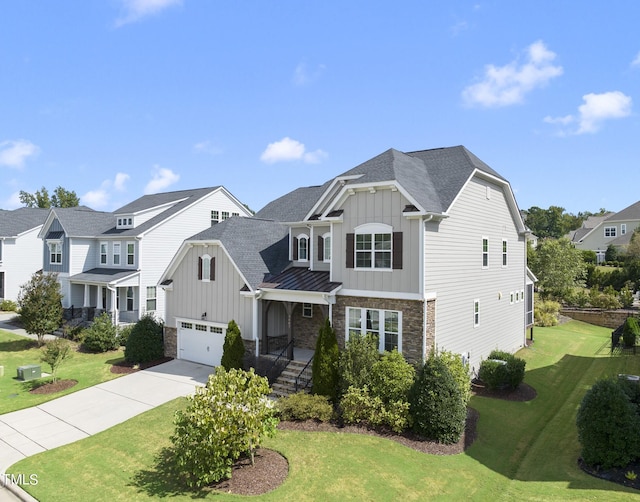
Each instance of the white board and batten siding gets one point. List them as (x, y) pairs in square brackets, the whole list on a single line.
[(454, 273), (21, 258), (220, 299)]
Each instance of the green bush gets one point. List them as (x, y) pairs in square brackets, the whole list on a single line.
[(630, 331), (303, 406), (391, 377), (101, 335), (74, 332), (356, 360), (460, 373), (608, 426), (8, 306), (497, 375), (546, 313), (233, 349), (626, 297), (436, 405), (324, 376), (358, 406), (54, 353), (228, 418), (123, 334), (145, 341)]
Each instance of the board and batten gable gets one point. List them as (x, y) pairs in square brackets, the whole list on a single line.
[(220, 298), (382, 206), (454, 273)]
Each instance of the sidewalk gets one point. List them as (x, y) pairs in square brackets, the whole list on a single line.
[(81, 414)]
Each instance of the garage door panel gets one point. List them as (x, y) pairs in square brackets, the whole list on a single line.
[(199, 346)]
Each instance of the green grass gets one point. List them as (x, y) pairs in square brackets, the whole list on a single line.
[(524, 451), (15, 350)]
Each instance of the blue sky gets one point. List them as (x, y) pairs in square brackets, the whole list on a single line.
[(117, 98)]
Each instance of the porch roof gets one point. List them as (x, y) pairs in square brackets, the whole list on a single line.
[(104, 276), (301, 279)]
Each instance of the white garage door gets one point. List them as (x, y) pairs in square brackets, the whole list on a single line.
[(200, 343)]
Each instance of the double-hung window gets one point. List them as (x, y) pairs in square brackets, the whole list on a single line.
[(55, 252), (485, 252), (504, 252), (103, 253), (206, 268), (373, 247), (116, 253), (131, 253), (385, 325), (326, 246), (303, 248), (476, 313), (151, 298)]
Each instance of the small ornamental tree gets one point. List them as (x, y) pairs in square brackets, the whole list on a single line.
[(54, 353), (233, 349), (437, 407), (40, 302), (325, 363), (224, 420), (608, 426), (145, 342)]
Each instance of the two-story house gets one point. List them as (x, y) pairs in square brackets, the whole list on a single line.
[(112, 261), (425, 249), (613, 229), (20, 252)]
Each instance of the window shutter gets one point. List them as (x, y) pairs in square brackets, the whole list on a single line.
[(295, 248), (350, 250), (212, 269), (397, 250), (199, 268), (320, 248)]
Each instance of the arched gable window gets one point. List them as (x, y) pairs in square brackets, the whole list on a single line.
[(206, 268)]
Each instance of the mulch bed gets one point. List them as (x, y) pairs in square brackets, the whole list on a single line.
[(125, 368), (53, 387), (616, 474)]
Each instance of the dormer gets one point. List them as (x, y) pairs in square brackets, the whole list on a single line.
[(124, 221)]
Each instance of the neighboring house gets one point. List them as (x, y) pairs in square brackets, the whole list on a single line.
[(425, 249), (20, 251), (613, 229), (112, 261)]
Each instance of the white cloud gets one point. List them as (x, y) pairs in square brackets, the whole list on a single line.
[(288, 149), (100, 197), (207, 147), (508, 85), (636, 61), (594, 111), (14, 153), (13, 202), (161, 179), (134, 10), (304, 76)]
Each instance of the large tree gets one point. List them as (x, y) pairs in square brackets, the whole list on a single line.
[(555, 222), (559, 267), (61, 198), (40, 302)]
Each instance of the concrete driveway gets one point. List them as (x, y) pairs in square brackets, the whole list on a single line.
[(88, 411)]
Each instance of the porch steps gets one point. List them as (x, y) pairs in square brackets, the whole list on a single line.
[(285, 384)]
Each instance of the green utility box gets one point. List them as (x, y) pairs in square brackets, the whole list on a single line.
[(29, 372)]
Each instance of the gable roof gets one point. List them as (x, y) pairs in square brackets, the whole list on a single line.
[(18, 221), (80, 221), (629, 213), (259, 248)]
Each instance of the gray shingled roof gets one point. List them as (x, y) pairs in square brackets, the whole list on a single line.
[(259, 248), (629, 213), (83, 221), (433, 178), (103, 275), (186, 198), (13, 223)]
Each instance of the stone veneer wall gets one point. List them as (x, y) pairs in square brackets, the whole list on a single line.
[(171, 342), (413, 312), (606, 318), (305, 329)]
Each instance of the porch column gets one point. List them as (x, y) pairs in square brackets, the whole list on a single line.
[(87, 296), (288, 307), (264, 346), (99, 298), (114, 304)]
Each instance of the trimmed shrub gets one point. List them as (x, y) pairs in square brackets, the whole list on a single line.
[(8, 306), (356, 360), (608, 426), (145, 341), (391, 377), (303, 406), (436, 405), (123, 334), (101, 335), (630, 331), (325, 363), (460, 373), (233, 349), (228, 418), (358, 406), (497, 375)]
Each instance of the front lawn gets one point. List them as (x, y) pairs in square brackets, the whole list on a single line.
[(15, 350), (524, 450)]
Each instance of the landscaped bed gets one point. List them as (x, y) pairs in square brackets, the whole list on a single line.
[(523, 450)]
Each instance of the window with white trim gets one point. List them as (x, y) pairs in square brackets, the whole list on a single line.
[(303, 247), (610, 231), (476, 313), (485, 252), (225, 215), (116, 253), (103, 253), (385, 325), (206, 268), (55, 252), (215, 217), (151, 298), (504, 252), (623, 228), (215, 329), (373, 246), (307, 310), (511, 297), (130, 299), (326, 245), (131, 253), (186, 325), (235, 214)]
